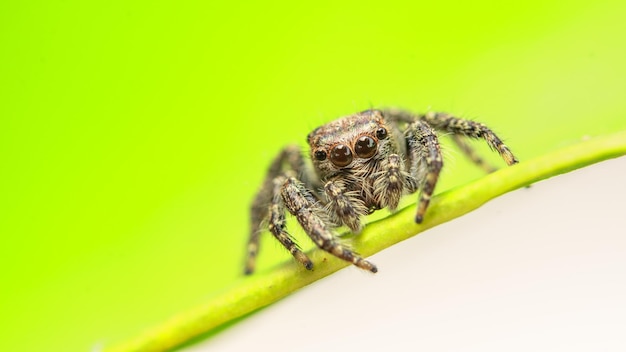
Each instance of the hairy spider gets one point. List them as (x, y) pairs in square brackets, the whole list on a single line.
[(361, 163)]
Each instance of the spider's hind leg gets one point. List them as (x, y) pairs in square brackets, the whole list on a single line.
[(471, 153)]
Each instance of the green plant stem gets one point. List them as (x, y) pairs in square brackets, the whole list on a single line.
[(252, 293)]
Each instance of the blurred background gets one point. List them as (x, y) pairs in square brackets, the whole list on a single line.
[(133, 135)]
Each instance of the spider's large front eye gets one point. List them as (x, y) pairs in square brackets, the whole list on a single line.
[(365, 147), (341, 155)]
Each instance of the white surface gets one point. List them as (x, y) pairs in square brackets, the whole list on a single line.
[(539, 269)]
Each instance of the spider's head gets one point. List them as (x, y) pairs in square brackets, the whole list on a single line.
[(352, 142)]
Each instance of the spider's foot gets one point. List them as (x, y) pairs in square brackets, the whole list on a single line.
[(364, 264), (302, 258), (250, 264)]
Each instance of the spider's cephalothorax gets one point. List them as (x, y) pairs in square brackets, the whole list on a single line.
[(361, 163)]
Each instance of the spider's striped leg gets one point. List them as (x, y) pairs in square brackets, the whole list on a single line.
[(277, 223), (425, 161), (312, 216), (262, 208), (446, 122), (471, 154)]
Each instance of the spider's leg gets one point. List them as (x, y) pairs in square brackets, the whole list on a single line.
[(277, 224), (471, 154), (260, 211), (425, 161), (311, 215), (446, 122)]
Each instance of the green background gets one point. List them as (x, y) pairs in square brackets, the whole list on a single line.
[(134, 135)]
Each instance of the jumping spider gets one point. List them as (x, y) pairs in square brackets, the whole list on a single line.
[(361, 163)]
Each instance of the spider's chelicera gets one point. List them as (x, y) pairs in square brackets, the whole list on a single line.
[(361, 163)]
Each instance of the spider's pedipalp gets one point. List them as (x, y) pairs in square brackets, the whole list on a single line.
[(345, 205), (390, 182)]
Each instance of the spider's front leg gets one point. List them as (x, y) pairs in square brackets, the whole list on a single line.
[(471, 129), (266, 206), (425, 160), (277, 223), (311, 215)]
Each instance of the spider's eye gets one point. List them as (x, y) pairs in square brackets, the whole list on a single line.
[(341, 155), (320, 155), (381, 133), (365, 147)]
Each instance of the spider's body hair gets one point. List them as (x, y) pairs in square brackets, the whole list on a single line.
[(366, 184)]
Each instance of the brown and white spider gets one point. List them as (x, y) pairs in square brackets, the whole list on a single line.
[(361, 163)]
